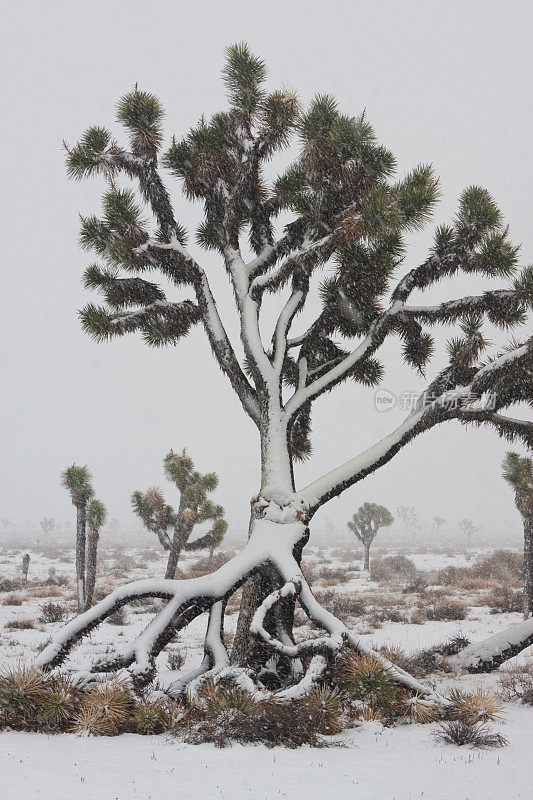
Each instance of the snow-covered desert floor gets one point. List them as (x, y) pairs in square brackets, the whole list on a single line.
[(370, 761)]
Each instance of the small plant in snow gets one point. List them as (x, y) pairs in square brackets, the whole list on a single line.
[(461, 732)]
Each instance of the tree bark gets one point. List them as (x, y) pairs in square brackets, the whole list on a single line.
[(92, 547), (528, 566), (81, 514)]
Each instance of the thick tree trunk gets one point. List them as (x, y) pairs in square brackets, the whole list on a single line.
[(182, 531), (366, 566), (490, 653), (81, 513), (528, 567), (92, 547)]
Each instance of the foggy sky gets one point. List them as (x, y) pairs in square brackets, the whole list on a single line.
[(442, 82)]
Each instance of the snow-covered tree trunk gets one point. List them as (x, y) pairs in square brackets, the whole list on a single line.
[(366, 565), (81, 516), (92, 548)]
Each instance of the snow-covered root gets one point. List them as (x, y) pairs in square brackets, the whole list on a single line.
[(323, 649), (187, 599), (488, 654)]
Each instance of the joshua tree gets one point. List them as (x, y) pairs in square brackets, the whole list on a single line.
[(47, 525), (366, 523), (409, 520), (25, 566), (96, 517), (345, 215), (518, 472), (438, 522), (194, 509), (468, 528), (78, 481)]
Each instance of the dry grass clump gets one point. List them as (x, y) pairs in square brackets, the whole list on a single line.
[(51, 612), (45, 591), (365, 678), (416, 708), (325, 707), (479, 706), (157, 716), (22, 690), (398, 568), (217, 700), (476, 735), (371, 714), (175, 660), (12, 600), (106, 710), (20, 624)]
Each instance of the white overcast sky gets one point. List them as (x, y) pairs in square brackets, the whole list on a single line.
[(444, 82)]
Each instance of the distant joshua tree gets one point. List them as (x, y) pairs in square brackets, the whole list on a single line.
[(25, 566), (47, 525), (518, 472), (409, 519), (438, 522), (96, 517), (78, 482), (114, 526), (194, 508), (366, 524), (468, 528)]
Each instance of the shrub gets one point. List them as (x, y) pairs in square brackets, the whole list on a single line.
[(417, 709), (289, 724), (503, 600), (460, 732), (341, 604), (60, 702), (175, 660), (448, 610), (503, 565), (516, 682), (392, 568), (20, 624), (9, 585), (51, 612), (118, 617)]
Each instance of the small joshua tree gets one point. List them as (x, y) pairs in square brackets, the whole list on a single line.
[(194, 508), (96, 517), (409, 519), (25, 566), (337, 208), (518, 472), (78, 482), (467, 527), (366, 523), (47, 525)]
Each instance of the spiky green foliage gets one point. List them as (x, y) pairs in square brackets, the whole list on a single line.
[(367, 521), (78, 482), (195, 507), (96, 514), (517, 470), (141, 113)]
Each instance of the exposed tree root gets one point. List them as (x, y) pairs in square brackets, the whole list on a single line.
[(490, 653), (189, 598)]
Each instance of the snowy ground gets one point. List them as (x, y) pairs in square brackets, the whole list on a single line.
[(397, 763)]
